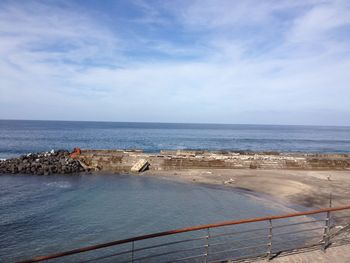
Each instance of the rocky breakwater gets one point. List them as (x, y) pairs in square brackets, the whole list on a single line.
[(54, 162)]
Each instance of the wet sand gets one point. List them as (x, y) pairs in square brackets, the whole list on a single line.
[(305, 188)]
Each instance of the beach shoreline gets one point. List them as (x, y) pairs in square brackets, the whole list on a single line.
[(316, 189), (305, 179)]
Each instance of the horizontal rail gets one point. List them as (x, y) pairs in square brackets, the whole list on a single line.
[(298, 231), (168, 243), (239, 232), (145, 248), (106, 256), (299, 223), (297, 239), (182, 230), (237, 249), (238, 241), (169, 252)]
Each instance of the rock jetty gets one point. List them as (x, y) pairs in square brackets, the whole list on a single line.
[(46, 163)]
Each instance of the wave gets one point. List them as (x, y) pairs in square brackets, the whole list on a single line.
[(61, 184)]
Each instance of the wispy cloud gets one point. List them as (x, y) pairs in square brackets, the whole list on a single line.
[(198, 61)]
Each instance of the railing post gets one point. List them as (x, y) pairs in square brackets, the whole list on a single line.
[(326, 233), (132, 251), (269, 244), (207, 246)]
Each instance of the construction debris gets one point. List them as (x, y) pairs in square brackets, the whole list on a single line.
[(140, 166)]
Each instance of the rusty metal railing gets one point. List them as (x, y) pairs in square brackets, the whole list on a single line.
[(231, 240)]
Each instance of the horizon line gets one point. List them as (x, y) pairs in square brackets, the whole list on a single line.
[(183, 123)]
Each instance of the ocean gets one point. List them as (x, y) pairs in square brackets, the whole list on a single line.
[(20, 137), (47, 214)]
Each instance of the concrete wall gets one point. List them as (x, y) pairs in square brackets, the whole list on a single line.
[(122, 161)]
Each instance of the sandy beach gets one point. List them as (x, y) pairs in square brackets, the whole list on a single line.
[(306, 188)]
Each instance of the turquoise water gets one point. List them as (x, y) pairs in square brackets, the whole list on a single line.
[(19, 137), (45, 214)]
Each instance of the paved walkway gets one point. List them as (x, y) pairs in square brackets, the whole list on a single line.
[(337, 254)]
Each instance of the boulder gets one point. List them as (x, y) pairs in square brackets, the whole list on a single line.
[(53, 162)]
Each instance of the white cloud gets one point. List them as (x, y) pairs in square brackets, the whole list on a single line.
[(54, 57), (318, 23)]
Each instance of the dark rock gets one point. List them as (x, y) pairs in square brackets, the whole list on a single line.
[(53, 162)]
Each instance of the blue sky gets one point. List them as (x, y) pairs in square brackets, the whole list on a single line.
[(258, 62)]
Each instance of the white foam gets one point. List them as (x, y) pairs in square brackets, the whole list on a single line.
[(61, 184), (180, 147)]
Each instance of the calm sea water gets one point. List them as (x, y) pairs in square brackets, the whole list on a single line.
[(46, 214), (19, 137)]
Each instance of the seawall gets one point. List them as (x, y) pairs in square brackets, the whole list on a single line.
[(125, 160), (116, 161)]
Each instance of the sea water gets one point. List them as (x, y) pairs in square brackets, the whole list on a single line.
[(47, 214), (19, 137)]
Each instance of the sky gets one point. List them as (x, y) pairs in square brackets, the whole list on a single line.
[(205, 61)]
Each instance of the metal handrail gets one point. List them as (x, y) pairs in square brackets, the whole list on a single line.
[(299, 223), (170, 252), (237, 241), (296, 239), (239, 232), (184, 230), (299, 231), (239, 248)]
